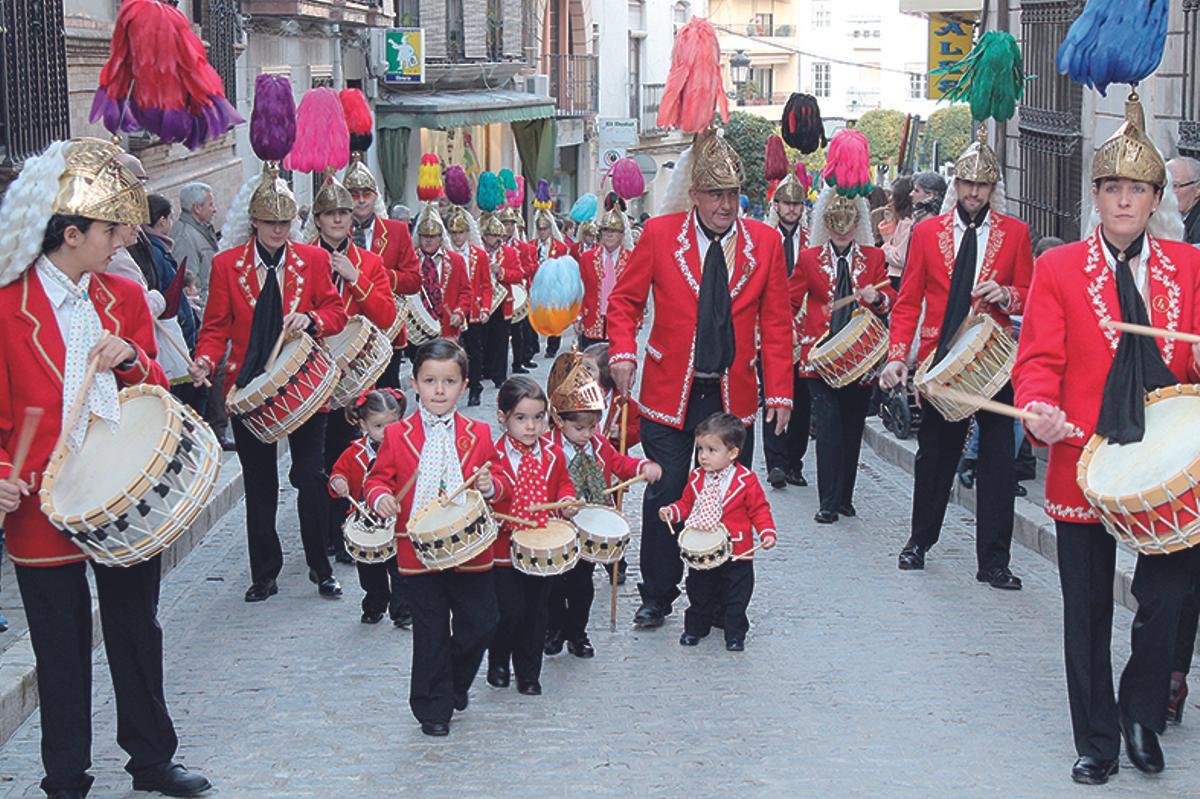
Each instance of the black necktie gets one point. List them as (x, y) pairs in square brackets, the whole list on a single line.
[(714, 322), (789, 247), (844, 288), (343, 248), (358, 231), (962, 281), (1138, 365), (267, 322)]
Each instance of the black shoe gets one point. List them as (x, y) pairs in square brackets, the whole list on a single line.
[(172, 779), (848, 510), (549, 356), (371, 618), (1000, 578), (403, 620), (228, 444), (498, 384), (498, 676), (437, 729), (825, 517), (649, 616), (581, 647), (736, 645), (1020, 490), (689, 639), (342, 556), (554, 644), (329, 588), (1141, 744), (1090, 770), (518, 369), (796, 478), (473, 399), (529, 687), (461, 701), (777, 478), (258, 592), (912, 557), (529, 364)]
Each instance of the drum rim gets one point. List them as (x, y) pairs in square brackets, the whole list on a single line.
[(397, 326), (474, 504), (345, 356), (722, 541), (311, 406), (866, 365), (380, 350), (552, 524), (241, 400), (420, 316), (954, 411)]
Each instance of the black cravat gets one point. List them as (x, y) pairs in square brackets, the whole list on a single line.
[(1138, 365), (358, 231), (962, 281), (267, 322), (843, 288), (789, 246), (343, 248), (714, 321)]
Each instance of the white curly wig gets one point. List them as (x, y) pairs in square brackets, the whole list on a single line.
[(998, 201), (1165, 223), (820, 233), (27, 209), (677, 198)]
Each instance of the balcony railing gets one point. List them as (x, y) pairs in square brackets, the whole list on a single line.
[(33, 79), (651, 99), (574, 83), (762, 29)]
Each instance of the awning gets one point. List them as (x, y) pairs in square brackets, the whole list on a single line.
[(442, 110)]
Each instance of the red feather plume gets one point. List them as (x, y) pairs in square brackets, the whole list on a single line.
[(775, 166), (694, 87)]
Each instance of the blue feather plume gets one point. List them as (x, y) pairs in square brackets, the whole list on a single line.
[(1114, 41), (584, 209)]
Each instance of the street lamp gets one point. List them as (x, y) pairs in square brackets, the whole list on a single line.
[(739, 70)]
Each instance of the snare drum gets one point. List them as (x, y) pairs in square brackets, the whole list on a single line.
[(520, 302), (287, 395), (1147, 493), (362, 352), (603, 533), (545, 551), (704, 549), (499, 295), (128, 494), (422, 326), (444, 536), (852, 352), (397, 326), (369, 539), (980, 362)]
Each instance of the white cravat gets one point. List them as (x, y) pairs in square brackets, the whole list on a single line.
[(440, 469)]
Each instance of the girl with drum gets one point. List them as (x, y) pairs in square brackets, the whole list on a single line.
[(722, 495), (61, 317), (454, 610), (372, 413), (537, 470)]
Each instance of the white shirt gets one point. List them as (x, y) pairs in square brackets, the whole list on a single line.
[(61, 300), (369, 233), (514, 456), (702, 242), (1138, 265), (570, 450), (981, 238), (544, 249), (726, 481), (261, 266)]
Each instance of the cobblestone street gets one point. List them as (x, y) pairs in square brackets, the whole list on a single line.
[(858, 680)]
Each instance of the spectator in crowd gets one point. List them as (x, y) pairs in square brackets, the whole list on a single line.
[(896, 228), (1185, 180), (174, 324), (928, 190), (401, 213), (196, 240), (878, 203)]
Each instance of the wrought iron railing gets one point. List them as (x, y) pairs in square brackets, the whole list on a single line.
[(574, 83), (1189, 125), (651, 100), (221, 26), (33, 78)]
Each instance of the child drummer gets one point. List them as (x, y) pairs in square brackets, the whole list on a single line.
[(722, 492), (577, 405), (454, 611)]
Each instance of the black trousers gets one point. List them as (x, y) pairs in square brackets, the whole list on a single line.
[(727, 587), (381, 586), (841, 415), (939, 445), (454, 618), (58, 606), (261, 473), (1189, 622), (571, 599), (587, 341), (787, 451), (214, 410), (552, 345), (472, 341), (391, 375), (496, 334), (339, 434), (533, 344), (524, 607), (673, 449), (1086, 565), (520, 350)]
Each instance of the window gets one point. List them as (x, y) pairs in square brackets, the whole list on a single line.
[(221, 26), (495, 30), (821, 16), (763, 79), (762, 25), (455, 37), (821, 78), (917, 84), (681, 14), (409, 12), (33, 78)]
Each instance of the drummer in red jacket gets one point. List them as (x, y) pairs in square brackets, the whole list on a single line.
[(58, 310), (505, 265), (466, 242), (971, 258), (601, 267), (1081, 378), (261, 285), (445, 285)]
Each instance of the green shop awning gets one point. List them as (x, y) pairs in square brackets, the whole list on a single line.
[(442, 110)]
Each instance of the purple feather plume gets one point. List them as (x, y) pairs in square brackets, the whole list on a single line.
[(273, 121), (458, 188), (543, 191)]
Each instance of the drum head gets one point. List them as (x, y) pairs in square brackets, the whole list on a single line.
[(436, 516), (554, 535), (602, 521), (349, 335), (289, 351), (519, 295), (1166, 451), (964, 342), (701, 540), (110, 462)]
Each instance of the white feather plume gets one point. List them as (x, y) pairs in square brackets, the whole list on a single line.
[(26, 211)]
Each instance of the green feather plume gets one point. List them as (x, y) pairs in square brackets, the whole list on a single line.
[(993, 77)]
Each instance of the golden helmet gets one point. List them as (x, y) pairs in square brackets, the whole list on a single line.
[(589, 228), (790, 190), (333, 196), (97, 186), (429, 223), (357, 177), (509, 214), (492, 226), (978, 163), (613, 219), (715, 164), (273, 201), (841, 215), (1129, 153), (457, 221), (572, 387)]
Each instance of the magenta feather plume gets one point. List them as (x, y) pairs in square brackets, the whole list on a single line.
[(627, 178), (322, 137), (458, 188), (273, 121), (848, 163), (516, 197)]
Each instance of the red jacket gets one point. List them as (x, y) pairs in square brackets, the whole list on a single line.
[(392, 242), (614, 464), (611, 425), (744, 508), (506, 264), (558, 487), (233, 292), (399, 456), (479, 276), (528, 256), (353, 465), (815, 277), (591, 269), (666, 260), (371, 293), (1008, 259), (456, 292), (1064, 356), (32, 361)]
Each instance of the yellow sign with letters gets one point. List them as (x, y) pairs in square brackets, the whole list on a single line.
[(950, 40)]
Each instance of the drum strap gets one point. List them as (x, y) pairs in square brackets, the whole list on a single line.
[(1138, 365), (962, 281)]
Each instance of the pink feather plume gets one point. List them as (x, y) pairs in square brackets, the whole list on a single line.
[(848, 163), (627, 178), (694, 85), (322, 138)]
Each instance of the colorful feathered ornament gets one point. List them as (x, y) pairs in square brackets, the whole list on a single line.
[(806, 180), (541, 196), (992, 79), (555, 295), (359, 119), (273, 121), (775, 164), (322, 138), (516, 196), (584, 209), (489, 194), (429, 178), (1114, 41), (694, 88), (458, 187), (802, 126), (848, 164), (508, 180), (627, 178)]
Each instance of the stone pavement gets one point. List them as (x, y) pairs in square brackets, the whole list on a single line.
[(857, 681)]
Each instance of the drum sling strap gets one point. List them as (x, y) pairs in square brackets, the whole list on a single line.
[(844, 288), (1138, 365), (267, 322), (962, 281)]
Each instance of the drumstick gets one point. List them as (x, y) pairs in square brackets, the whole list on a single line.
[(504, 517), (275, 350), (470, 481), (358, 506), (29, 426), (407, 486), (853, 298), (992, 406), (179, 348), (1157, 332), (551, 506), (76, 409), (622, 486), (748, 552)]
